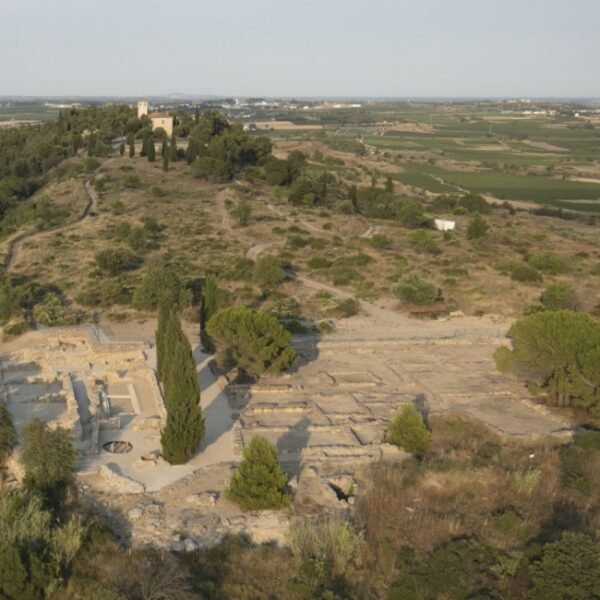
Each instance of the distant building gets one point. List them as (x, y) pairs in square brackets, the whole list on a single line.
[(162, 120), (443, 225), (142, 108)]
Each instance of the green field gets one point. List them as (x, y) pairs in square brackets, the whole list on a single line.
[(35, 111)]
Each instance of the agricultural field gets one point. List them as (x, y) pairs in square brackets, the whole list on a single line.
[(26, 111), (496, 149)]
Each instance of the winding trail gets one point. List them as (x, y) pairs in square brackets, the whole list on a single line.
[(15, 244)]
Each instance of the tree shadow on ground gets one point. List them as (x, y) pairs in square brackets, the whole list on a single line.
[(218, 415), (291, 444)]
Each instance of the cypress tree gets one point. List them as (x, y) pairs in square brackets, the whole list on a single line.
[(173, 149), (176, 366), (181, 380), (165, 160), (145, 138), (163, 147), (191, 152), (91, 145), (131, 150), (208, 308), (183, 433), (151, 150), (259, 482), (122, 148), (164, 315)]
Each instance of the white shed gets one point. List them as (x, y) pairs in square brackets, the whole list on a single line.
[(444, 225)]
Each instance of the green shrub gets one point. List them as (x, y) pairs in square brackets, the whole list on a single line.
[(410, 215), (240, 269), (17, 328), (550, 263), (51, 312), (319, 262), (8, 436), (329, 542), (267, 272), (407, 430), (91, 164), (560, 352), (423, 243), (411, 289), (381, 242), (115, 260), (259, 482), (295, 242), (360, 259), (132, 182), (568, 568), (525, 274), (159, 282), (576, 475), (343, 275), (36, 550), (590, 439), (560, 296), (341, 308), (474, 203), (477, 228), (504, 359), (255, 340), (48, 457)]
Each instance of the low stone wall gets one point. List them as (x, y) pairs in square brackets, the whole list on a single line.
[(71, 420), (119, 483)]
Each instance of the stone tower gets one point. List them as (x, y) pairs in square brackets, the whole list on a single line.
[(142, 108)]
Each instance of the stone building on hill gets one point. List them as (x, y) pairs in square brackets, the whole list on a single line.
[(158, 119)]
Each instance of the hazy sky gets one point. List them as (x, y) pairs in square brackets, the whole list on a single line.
[(301, 47)]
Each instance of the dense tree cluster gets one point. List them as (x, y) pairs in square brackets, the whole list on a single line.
[(155, 283), (382, 203), (467, 203), (559, 352), (283, 172), (184, 429), (27, 154), (36, 552), (49, 458), (218, 149), (252, 339)]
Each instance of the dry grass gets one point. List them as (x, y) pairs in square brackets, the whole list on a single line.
[(471, 485), (201, 235)]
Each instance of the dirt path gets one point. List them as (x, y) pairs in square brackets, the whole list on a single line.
[(369, 233), (304, 224), (15, 245), (255, 251)]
